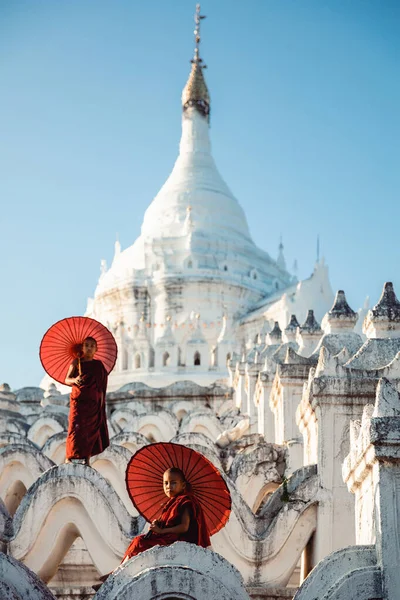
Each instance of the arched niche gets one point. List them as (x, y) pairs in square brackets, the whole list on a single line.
[(13, 496)]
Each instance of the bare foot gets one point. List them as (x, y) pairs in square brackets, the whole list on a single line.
[(68, 461), (87, 462)]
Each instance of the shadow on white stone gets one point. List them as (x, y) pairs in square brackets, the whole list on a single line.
[(46, 426), (55, 447), (112, 464), (17, 582)]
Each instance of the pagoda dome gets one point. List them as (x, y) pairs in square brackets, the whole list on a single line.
[(195, 182), (194, 212)]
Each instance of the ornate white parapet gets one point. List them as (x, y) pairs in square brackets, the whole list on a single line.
[(252, 372), (284, 399), (179, 571), (369, 570), (372, 473), (266, 421), (330, 400), (308, 335)]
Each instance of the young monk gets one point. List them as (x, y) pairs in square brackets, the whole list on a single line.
[(182, 520), (87, 426)]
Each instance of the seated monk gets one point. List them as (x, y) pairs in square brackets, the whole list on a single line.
[(181, 520), (87, 422)]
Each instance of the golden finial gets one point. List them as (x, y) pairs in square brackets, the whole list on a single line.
[(195, 93)]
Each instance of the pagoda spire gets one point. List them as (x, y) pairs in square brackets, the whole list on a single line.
[(195, 93), (281, 258)]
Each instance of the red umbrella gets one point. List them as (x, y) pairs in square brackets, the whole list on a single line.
[(63, 342), (144, 482)]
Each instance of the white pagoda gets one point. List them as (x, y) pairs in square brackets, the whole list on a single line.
[(194, 288)]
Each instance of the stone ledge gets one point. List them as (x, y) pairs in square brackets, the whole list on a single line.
[(271, 593), (72, 593)]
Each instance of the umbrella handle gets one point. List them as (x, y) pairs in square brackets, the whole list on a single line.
[(79, 367)]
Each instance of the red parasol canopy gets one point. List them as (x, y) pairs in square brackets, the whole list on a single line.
[(63, 342), (144, 482)]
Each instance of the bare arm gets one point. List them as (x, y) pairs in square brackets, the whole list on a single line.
[(70, 379), (181, 528)]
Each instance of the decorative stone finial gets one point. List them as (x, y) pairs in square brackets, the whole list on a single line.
[(292, 325), (340, 316), (310, 325), (264, 332), (290, 331), (141, 335), (388, 306), (51, 391), (308, 335), (188, 224), (275, 336), (103, 267), (383, 320), (340, 307), (117, 247), (281, 259), (195, 93), (196, 336)]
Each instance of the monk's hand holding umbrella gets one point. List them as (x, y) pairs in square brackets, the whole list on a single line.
[(76, 365)]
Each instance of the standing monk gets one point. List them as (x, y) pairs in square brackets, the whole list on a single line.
[(87, 426)]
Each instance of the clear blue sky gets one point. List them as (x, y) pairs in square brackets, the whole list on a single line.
[(305, 130)]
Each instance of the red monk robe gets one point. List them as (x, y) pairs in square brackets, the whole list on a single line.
[(87, 430), (170, 517)]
